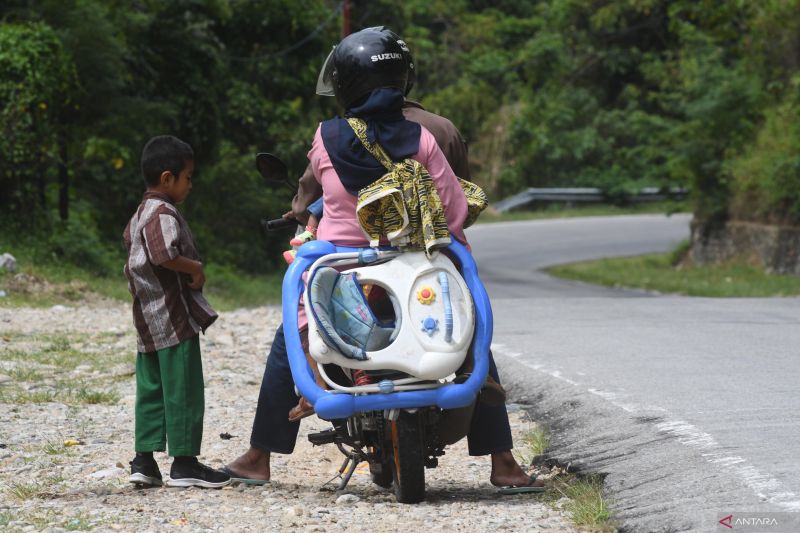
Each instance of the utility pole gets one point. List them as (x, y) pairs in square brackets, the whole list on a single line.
[(345, 18)]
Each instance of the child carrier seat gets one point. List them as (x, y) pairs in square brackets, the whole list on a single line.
[(434, 316)]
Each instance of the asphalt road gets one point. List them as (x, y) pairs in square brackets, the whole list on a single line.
[(688, 406)]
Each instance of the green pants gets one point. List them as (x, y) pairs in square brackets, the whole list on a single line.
[(170, 400)]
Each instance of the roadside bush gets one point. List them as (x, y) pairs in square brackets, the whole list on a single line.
[(766, 178), (77, 241)]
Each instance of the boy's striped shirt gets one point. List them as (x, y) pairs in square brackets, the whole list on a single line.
[(166, 311)]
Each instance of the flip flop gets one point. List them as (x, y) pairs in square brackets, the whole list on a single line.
[(242, 479), (521, 489), (302, 414)]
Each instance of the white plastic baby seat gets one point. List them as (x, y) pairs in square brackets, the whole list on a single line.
[(434, 318)]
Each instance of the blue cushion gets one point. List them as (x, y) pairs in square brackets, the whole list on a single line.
[(345, 319)]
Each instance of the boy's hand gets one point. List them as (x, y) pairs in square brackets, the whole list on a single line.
[(198, 277), (188, 266)]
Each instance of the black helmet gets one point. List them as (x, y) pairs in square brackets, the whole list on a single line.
[(363, 61), (412, 68)]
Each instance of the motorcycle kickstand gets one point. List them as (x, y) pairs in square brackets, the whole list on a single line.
[(348, 468)]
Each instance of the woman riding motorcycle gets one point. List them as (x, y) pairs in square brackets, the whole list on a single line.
[(368, 73)]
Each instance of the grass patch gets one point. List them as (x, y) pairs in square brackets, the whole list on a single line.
[(43, 519), (54, 447), (64, 352), (73, 369), (22, 491), (580, 497), (90, 397), (585, 503), (227, 289), (59, 393), (44, 285), (24, 374), (537, 440), (560, 210), (659, 272)]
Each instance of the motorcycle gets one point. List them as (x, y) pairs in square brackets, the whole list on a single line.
[(396, 397)]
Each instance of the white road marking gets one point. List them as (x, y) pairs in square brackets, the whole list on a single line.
[(766, 487)]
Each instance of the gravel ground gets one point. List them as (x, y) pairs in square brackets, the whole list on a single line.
[(47, 486)]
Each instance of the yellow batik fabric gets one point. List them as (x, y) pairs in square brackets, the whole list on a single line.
[(404, 204)]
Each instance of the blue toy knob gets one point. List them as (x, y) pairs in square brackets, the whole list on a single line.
[(429, 325), (386, 386)]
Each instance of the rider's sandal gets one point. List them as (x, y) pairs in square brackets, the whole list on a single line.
[(530, 488), (244, 480), (302, 410)]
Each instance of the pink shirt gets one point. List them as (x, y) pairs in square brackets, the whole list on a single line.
[(339, 224)]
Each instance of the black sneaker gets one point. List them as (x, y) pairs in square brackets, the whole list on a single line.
[(192, 473), (144, 471)]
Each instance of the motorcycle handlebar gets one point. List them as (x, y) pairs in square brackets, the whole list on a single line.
[(278, 223)]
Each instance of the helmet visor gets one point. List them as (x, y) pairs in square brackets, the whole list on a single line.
[(325, 79)]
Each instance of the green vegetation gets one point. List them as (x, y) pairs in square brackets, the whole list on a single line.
[(586, 505), (615, 94), (228, 289), (43, 281), (67, 369), (555, 210), (537, 440), (35, 489), (42, 519), (665, 273), (580, 496)]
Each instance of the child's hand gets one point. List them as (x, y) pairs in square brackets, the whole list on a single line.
[(198, 278), (188, 266)]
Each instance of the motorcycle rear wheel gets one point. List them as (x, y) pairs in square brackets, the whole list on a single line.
[(381, 473), (408, 457)]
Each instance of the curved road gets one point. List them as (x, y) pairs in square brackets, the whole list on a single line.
[(689, 406)]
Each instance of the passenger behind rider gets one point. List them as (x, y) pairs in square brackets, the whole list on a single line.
[(373, 91)]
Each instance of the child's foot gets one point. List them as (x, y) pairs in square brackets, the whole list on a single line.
[(289, 256), (144, 471), (190, 472), (308, 235)]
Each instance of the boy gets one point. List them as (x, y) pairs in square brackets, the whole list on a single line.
[(165, 276)]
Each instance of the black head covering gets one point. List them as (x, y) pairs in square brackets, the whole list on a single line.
[(382, 110)]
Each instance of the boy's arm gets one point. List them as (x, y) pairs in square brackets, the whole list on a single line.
[(188, 266), (163, 249)]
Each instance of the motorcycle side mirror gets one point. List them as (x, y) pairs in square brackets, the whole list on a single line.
[(273, 170)]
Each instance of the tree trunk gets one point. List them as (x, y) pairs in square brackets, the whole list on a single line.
[(63, 179)]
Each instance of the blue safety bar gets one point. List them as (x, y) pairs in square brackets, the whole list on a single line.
[(331, 406)]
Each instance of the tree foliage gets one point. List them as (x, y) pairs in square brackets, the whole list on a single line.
[(37, 81), (616, 94)]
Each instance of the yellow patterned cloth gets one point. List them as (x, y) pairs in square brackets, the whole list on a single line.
[(404, 205)]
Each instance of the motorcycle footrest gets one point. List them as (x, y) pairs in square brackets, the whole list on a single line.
[(322, 437)]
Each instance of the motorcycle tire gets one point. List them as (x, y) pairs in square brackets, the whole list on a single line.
[(408, 457), (381, 473)]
